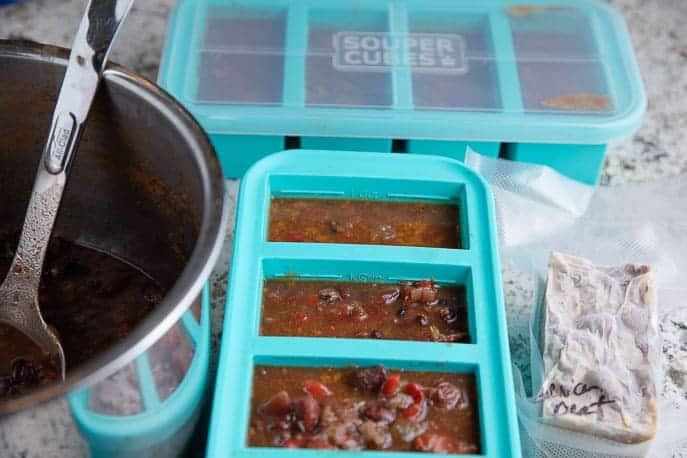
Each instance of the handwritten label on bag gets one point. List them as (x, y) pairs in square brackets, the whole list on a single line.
[(380, 51), (581, 400)]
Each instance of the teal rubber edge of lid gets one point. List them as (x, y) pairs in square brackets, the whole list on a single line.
[(109, 435), (291, 115), (379, 176)]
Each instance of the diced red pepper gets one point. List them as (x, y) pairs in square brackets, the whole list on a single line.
[(312, 299), (415, 391), (418, 410), (316, 389), (292, 443), (302, 318), (391, 385)]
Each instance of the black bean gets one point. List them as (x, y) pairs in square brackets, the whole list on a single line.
[(401, 312), (422, 319), (335, 227), (376, 334), (369, 379), (153, 294), (448, 315), (24, 373)]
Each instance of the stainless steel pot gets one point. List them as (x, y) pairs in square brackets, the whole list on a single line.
[(145, 186)]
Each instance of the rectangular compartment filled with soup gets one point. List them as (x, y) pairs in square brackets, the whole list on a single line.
[(364, 408), (420, 310), (372, 222)]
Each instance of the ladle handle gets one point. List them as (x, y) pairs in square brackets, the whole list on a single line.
[(97, 31)]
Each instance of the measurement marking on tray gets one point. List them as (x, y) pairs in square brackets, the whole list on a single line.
[(366, 277), (370, 195)]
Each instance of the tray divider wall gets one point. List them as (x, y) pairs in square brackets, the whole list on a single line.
[(506, 61), (294, 62), (322, 352), (191, 73), (402, 78), (372, 253)]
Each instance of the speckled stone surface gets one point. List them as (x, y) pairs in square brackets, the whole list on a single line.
[(658, 148)]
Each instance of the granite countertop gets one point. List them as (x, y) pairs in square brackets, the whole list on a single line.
[(656, 150)]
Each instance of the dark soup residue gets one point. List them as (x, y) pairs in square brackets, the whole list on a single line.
[(369, 408), (90, 298), (421, 310), (370, 222)]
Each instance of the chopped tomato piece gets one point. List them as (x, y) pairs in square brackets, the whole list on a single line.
[(415, 391), (292, 443), (316, 389), (416, 412), (319, 444), (391, 385)]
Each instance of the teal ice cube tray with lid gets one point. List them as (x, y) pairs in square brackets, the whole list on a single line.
[(367, 176), (150, 407), (551, 82)]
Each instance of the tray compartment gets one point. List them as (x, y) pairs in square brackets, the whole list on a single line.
[(445, 37), (453, 150), (118, 395), (338, 271), (377, 145), (242, 58), (319, 368), (559, 64), (360, 188), (552, 32), (564, 87), (340, 77), (170, 357)]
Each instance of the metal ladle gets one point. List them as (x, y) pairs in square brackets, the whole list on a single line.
[(19, 305)]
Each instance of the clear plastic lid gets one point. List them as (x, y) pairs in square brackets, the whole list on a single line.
[(492, 70)]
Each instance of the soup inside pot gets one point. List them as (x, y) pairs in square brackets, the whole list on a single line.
[(92, 300)]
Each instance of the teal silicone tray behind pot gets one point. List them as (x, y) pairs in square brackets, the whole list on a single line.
[(551, 82), (150, 407), (369, 176)]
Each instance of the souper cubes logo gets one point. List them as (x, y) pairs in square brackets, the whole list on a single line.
[(380, 51)]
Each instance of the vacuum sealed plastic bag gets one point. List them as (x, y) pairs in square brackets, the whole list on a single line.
[(633, 239)]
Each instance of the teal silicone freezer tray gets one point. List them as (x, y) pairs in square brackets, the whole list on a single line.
[(551, 82), (363, 176), (150, 407)]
